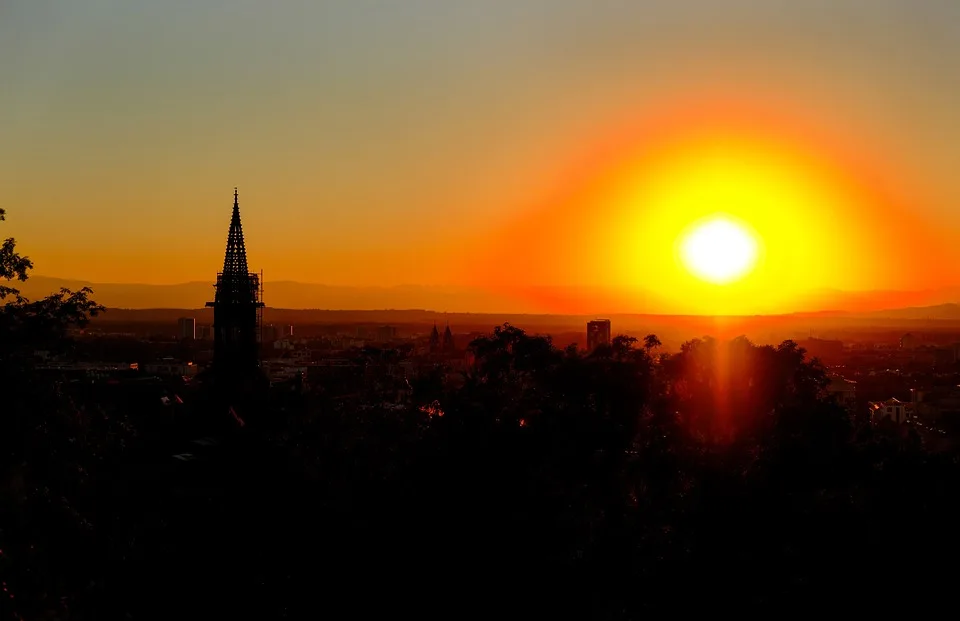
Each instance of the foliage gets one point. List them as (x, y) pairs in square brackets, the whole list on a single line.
[(12, 265), (52, 448), (27, 326)]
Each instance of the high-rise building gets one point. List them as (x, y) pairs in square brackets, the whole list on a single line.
[(237, 309), (598, 333), (187, 328), (286, 332), (385, 334)]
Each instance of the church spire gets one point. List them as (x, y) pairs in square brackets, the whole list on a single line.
[(235, 259), (434, 339), (448, 342), (236, 311)]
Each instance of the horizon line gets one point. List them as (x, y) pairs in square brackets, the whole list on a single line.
[(829, 314), (468, 286)]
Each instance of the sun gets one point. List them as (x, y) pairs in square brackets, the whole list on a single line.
[(719, 250)]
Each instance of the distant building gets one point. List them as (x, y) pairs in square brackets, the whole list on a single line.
[(892, 409), (204, 333), (285, 331), (448, 345), (269, 333), (386, 333), (910, 341), (598, 333), (434, 340), (187, 328), (844, 390)]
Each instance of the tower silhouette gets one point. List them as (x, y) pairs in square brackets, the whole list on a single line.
[(434, 340), (237, 312), (448, 344)]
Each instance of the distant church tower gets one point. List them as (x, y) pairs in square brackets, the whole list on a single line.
[(449, 346), (435, 340), (237, 310)]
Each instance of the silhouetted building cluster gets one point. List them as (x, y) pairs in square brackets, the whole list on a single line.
[(442, 344)]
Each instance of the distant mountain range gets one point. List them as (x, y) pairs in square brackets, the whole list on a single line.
[(297, 295), (914, 305), (939, 312)]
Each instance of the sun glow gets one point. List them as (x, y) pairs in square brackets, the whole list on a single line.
[(718, 218), (732, 226), (719, 250)]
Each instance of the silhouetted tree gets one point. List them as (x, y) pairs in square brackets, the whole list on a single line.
[(651, 342), (50, 445), (12, 265), (622, 346)]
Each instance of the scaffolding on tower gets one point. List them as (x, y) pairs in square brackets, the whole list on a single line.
[(237, 307)]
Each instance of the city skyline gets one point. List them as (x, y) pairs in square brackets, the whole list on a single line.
[(599, 309), (377, 146)]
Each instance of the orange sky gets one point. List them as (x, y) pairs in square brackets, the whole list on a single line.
[(827, 214), (498, 146)]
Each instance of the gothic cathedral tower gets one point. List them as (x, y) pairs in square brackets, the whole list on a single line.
[(237, 309)]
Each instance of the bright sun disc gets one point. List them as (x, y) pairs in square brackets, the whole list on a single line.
[(719, 250)]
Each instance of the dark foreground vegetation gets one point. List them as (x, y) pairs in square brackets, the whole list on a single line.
[(548, 483)]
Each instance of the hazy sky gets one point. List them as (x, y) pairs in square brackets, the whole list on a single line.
[(375, 141)]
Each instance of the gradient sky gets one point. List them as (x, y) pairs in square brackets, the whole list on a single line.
[(383, 142)]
